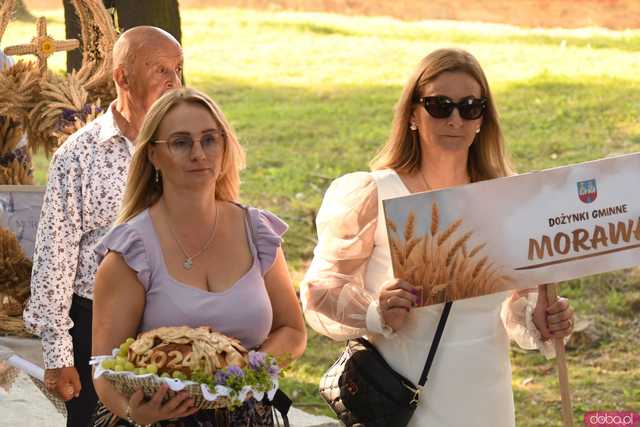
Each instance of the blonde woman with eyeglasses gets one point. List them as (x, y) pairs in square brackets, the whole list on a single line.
[(445, 133), (185, 252)]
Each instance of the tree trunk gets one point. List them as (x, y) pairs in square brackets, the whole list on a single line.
[(72, 31), (164, 14), (22, 14)]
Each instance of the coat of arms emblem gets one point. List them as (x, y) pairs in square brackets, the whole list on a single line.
[(587, 190)]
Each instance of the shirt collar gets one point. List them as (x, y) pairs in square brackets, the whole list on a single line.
[(108, 127)]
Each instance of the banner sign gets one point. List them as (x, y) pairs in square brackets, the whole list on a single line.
[(518, 232), (20, 207)]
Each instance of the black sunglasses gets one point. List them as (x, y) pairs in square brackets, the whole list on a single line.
[(441, 107)]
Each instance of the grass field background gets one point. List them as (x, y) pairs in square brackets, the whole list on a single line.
[(311, 97)]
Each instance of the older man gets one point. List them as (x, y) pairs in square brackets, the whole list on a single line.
[(86, 182)]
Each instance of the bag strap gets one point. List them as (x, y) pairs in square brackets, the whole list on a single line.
[(435, 342), (282, 403)]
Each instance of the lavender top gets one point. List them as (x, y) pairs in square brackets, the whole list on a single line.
[(243, 311)]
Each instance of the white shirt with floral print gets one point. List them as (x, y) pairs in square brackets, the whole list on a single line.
[(87, 177)]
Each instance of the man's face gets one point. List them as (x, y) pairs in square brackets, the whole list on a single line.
[(156, 69)]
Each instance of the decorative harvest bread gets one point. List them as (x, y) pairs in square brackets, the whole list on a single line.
[(187, 350)]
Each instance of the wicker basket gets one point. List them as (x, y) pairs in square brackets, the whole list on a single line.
[(128, 383)]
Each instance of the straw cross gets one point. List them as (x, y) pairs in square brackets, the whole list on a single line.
[(42, 46)]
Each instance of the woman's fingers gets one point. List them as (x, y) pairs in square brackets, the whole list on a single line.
[(399, 294), (398, 302), (176, 401), (398, 284), (562, 327), (560, 317), (559, 306), (158, 396), (186, 408), (136, 399)]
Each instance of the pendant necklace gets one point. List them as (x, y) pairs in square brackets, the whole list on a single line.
[(188, 262)]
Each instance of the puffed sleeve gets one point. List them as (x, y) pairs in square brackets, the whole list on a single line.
[(125, 240), (268, 230), (334, 298), (517, 317)]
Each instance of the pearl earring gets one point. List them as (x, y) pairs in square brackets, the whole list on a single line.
[(478, 130), (413, 127), (157, 176)]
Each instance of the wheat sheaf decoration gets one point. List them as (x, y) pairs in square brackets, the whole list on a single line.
[(15, 276), (64, 108), (439, 262)]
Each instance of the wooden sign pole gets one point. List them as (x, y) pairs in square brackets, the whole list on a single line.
[(561, 360)]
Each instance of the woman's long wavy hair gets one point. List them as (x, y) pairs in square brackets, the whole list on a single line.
[(142, 190), (402, 152)]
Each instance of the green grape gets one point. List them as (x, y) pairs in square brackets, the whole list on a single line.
[(128, 366), (119, 367), (179, 375), (152, 368), (141, 371), (123, 353), (121, 359), (165, 375), (129, 340), (108, 363)]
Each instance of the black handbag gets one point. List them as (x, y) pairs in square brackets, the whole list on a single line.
[(363, 390)]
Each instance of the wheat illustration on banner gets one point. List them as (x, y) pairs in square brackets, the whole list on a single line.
[(444, 261)]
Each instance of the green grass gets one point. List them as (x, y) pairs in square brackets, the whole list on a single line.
[(311, 98)]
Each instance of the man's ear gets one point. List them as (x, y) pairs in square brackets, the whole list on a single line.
[(120, 78)]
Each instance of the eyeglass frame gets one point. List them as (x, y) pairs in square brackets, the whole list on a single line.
[(455, 105), (220, 133)]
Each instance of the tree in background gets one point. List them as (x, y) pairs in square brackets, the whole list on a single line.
[(163, 14), (22, 14)]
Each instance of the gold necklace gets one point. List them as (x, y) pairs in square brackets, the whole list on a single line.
[(188, 262), (424, 181)]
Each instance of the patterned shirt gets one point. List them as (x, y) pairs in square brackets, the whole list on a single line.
[(85, 187)]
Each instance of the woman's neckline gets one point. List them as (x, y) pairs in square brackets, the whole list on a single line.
[(176, 282)]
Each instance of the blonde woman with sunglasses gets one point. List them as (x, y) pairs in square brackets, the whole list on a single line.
[(445, 133)]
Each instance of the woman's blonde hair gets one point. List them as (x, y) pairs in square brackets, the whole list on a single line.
[(402, 152), (142, 190)]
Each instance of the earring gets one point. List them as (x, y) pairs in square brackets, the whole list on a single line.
[(157, 176), (413, 126), (478, 130)]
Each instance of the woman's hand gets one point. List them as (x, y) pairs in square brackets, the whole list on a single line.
[(396, 299), (154, 410), (553, 321)]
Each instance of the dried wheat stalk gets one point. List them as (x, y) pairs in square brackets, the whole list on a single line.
[(19, 87), (16, 174), (6, 10), (435, 218), (15, 267), (439, 263), (449, 231), (63, 109), (13, 326)]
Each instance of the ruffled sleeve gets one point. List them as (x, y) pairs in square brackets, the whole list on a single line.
[(517, 317), (334, 298), (267, 231), (126, 240)]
